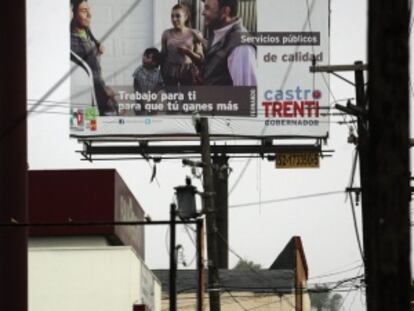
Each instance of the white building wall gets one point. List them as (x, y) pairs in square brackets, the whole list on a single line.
[(85, 279)]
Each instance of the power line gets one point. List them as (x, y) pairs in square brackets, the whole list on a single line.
[(322, 74), (346, 266), (237, 301), (299, 197), (284, 80), (187, 229), (335, 273), (103, 38), (356, 228), (338, 285), (343, 301), (67, 75)]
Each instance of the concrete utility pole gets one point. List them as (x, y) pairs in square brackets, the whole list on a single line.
[(209, 208), (13, 157), (389, 278)]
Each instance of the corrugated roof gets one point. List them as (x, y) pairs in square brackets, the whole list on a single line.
[(263, 281)]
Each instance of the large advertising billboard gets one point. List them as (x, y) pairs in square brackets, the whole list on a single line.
[(147, 68)]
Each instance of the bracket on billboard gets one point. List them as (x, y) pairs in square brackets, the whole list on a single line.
[(332, 69), (94, 150)]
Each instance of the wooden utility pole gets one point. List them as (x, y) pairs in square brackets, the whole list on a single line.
[(173, 261), (221, 177), (209, 209), (389, 277), (13, 157), (200, 264)]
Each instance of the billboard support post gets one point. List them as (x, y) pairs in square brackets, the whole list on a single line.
[(210, 211)]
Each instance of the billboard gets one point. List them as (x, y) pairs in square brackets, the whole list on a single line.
[(146, 68)]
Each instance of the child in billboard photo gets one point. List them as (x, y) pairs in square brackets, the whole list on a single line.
[(227, 62), (147, 77), (182, 50), (86, 52)]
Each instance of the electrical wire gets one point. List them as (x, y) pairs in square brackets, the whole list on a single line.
[(353, 170), (237, 301), (231, 249), (322, 74), (361, 251), (353, 300), (187, 228), (346, 266), (167, 244), (354, 163), (60, 81), (346, 296), (335, 273), (239, 256), (338, 285), (236, 183), (284, 80), (259, 183), (121, 19), (299, 197)]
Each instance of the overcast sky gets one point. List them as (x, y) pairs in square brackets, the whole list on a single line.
[(257, 232)]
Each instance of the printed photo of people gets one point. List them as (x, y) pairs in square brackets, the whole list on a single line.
[(218, 59), (86, 51), (146, 67), (195, 47), (227, 62)]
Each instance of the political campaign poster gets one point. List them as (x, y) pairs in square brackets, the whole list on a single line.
[(149, 68)]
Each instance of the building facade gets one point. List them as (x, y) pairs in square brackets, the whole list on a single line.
[(90, 267)]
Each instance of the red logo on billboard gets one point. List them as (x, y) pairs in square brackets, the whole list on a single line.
[(79, 117), (92, 125)]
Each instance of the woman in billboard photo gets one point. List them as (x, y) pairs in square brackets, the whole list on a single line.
[(85, 52), (182, 50)]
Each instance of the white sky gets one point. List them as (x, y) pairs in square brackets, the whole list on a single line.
[(257, 233)]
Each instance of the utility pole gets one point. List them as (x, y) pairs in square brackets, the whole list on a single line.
[(209, 209), (362, 145), (221, 176), (13, 158), (360, 111), (389, 279), (200, 264), (173, 261)]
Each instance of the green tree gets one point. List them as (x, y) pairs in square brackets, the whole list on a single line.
[(247, 265), (335, 302), (319, 297), (322, 300)]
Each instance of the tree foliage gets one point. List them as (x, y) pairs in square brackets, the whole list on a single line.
[(323, 300), (247, 265)]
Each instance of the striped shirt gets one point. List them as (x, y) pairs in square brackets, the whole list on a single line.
[(147, 80)]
